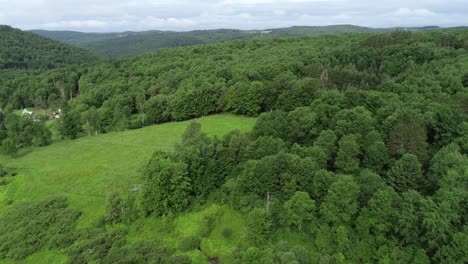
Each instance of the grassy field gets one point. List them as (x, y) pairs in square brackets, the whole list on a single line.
[(87, 169)]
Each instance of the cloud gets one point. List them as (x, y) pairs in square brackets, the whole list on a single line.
[(405, 12), (121, 15)]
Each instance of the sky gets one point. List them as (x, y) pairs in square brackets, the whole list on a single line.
[(185, 15)]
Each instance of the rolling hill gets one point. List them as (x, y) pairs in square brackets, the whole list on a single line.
[(25, 50), (358, 154), (121, 44)]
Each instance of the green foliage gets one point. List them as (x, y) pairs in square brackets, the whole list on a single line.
[(455, 251), (321, 183), (327, 141), (92, 121), (167, 187), (22, 131), (178, 260), (24, 50), (101, 246), (299, 208), (446, 159), (132, 43), (263, 147), (260, 225), (406, 174), (246, 98), (379, 216), (119, 209), (140, 252), (369, 183), (358, 121), (70, 125), (341, 202), (29, 227), (347, 159), (281, 175), (375, 152), (53, 169), (343, 119), (8, 147), (407, 134), (189, 243), (94, 245), (114, 208), (348, 84), (200, 154)]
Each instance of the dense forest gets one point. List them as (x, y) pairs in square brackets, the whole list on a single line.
[(122, 44), (24, 50), (360, 146)]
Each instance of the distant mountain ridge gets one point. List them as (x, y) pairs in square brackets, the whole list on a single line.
[(24, 50), (121, 44)]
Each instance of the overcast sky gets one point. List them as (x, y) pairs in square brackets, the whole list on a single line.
[(183, 15)]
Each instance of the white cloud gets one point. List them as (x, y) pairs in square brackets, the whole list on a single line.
[(120, 15), (279, 12), (414, 12)]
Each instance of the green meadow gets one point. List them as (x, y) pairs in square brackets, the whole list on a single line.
[(85, 170)]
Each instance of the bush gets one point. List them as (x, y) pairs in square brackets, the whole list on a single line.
[(178, 260), (207, 226), (141, 252), (28, 227), (96, 244), (190, 243)]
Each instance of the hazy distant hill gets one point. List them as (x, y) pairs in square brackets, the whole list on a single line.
[(24, 50), (131, 43), (74, 37)]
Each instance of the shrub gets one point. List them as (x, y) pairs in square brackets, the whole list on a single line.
[(190, 243), (28, 227), (208, 225), (178, 260)]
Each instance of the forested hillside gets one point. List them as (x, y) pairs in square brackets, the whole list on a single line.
[(133, 43), (25, 50), (76, 38), (358, 155)]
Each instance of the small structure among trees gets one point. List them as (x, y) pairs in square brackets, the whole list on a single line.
[(26, 112), (56, 114)]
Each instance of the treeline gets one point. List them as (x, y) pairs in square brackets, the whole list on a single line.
[(122, 44), (22, 131), (248, 77)]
